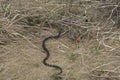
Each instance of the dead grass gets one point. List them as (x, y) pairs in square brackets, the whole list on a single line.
[(24, 24)]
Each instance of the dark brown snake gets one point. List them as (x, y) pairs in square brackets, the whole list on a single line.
[(48, 54)]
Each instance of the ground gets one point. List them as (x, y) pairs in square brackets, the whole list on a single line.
[(21, 56), (24, 24)]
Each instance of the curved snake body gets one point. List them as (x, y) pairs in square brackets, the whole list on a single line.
[(48, 54)]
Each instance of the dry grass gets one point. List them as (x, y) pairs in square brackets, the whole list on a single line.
[(94, 25)]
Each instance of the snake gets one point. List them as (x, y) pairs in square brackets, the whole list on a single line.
[(48, 53)]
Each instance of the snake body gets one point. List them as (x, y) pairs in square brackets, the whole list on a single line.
[(48, 54)]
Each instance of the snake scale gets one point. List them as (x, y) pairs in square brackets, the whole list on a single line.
[(48, 54)]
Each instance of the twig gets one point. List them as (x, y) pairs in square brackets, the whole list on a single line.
[(15, 33)]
